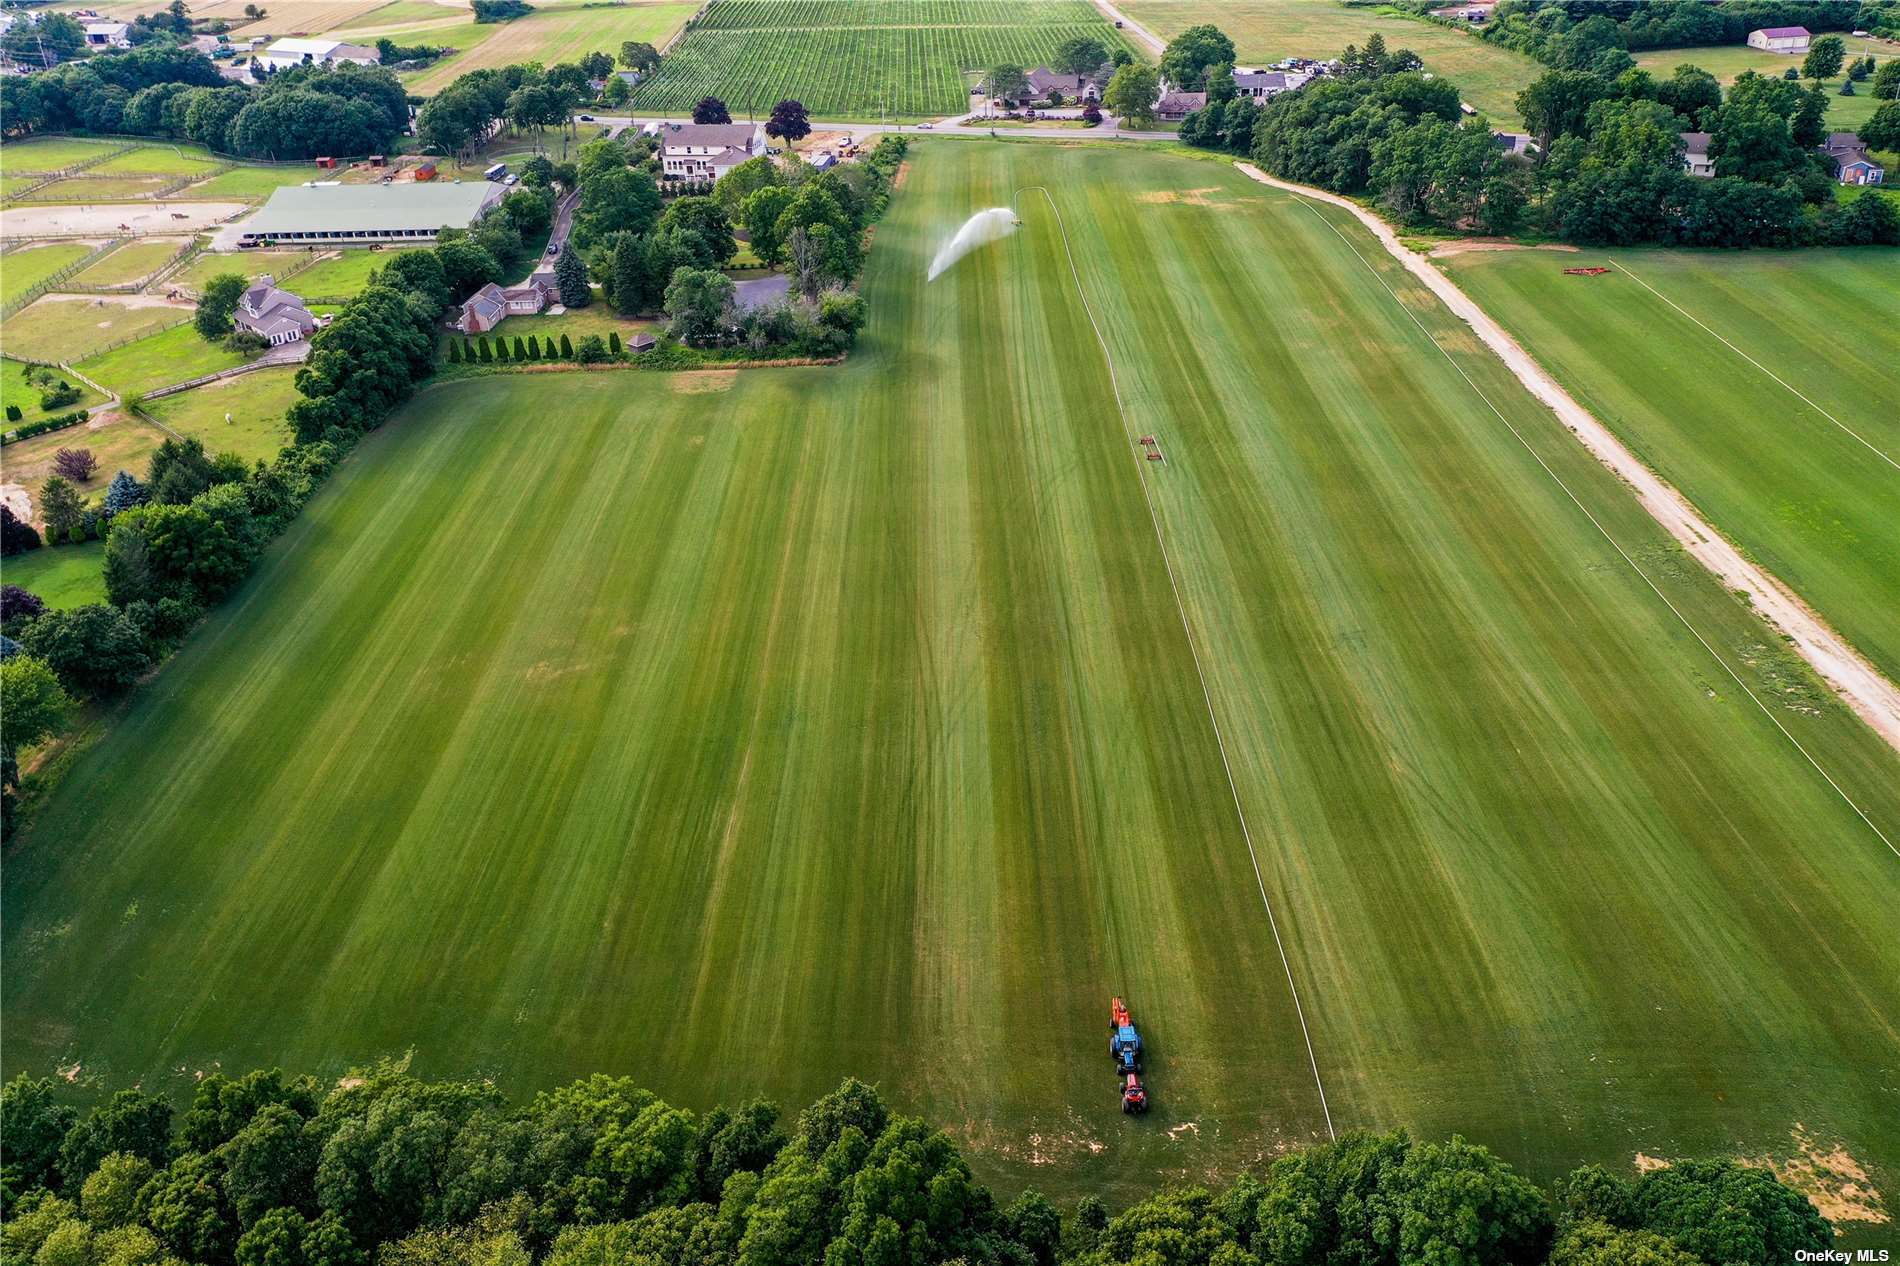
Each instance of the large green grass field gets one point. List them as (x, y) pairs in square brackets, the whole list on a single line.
[(899, 58), (71, 328), (737, 730), (50, 154), (63, 576), (1804, 472), (1488, 76)]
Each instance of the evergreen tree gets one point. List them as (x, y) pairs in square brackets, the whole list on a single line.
[(571, 274), (534, 348), (567, 349), (521, 350), (501, 350), (613, 341), (487, 352), (123, 493), (455, 351)]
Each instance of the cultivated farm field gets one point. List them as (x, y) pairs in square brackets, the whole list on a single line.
[(547, 36), (748, 728), (1803, 472), (1489, 77), (898, 58)]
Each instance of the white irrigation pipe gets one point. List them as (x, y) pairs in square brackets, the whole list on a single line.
[(1558, 480), (1187, 630)]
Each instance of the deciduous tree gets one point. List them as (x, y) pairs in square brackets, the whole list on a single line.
[(216, 303)]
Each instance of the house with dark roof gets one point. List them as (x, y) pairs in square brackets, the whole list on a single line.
[(1515, 142), (1780, 39), (1044, 84), (1262, 85), (276, 316), (1175, 106), (1852, 164), (707, 151), (493, 304), (1695, 154)]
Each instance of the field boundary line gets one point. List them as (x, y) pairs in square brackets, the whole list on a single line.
[(1865, 689), (1604, 532), (1187, 630), (1877, 452)]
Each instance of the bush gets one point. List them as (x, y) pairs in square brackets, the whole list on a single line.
[(94, 650), (593, 350), (245, 343), (59, 395), (16, 535), (13, 413)]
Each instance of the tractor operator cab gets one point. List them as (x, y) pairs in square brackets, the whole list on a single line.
[(1134, 1097), (1125, 1048)]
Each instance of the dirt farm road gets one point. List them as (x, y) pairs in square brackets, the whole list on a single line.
[(1872, 697)]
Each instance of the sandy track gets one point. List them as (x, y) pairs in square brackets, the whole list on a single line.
[(141, 219), (1872, 697)]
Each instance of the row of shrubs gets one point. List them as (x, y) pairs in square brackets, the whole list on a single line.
[(593, 349), (28, 430)]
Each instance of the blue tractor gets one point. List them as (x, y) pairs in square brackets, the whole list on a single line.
[(1124, 1047)]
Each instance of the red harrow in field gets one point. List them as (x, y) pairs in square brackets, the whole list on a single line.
[(1585, 272)]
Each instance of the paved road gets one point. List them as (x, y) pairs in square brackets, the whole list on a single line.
[(563, 219), (1111, 129)]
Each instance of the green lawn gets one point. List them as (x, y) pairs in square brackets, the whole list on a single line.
[(904, 58), (165, 358), (1488, 76), (118, 442), (62, 575), (50, 154), (25, 267), (14, 389), (134, 261), (158, 160), (70, 329), (250, 183), (743, 729), (597, 318), (255, 402), (340, 278), (1844, 114), (1783, 477), (250, 264)]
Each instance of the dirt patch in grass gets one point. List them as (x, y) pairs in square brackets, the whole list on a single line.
[(1647, 1164), (1830, 1177), (1475, 245), (700, 382), (903, 174), (1186, 197)]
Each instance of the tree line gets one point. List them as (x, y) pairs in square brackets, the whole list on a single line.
[(1593, 35), (1608, 168), (265, 1169), (173, 93)]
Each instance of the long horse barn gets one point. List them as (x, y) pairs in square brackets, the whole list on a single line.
[(336, 214)]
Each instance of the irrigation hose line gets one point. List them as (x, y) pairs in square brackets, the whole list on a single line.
[(1604, 532), (1187, 631)]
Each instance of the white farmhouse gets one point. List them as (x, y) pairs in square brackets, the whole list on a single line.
[(707, 151), (287, 53)]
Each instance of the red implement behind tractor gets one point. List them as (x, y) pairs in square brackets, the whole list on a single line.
[(1134, 1097)]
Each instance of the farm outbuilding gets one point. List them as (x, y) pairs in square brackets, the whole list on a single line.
[(335, 214), (1780, 39)]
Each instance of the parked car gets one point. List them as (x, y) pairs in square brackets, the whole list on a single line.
[(554, 248), (925, 127), (587, 118)]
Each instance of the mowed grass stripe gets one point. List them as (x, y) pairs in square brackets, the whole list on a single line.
[(1802, 496)]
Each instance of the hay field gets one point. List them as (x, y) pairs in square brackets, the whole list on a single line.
[(748, 728), (546, 36)]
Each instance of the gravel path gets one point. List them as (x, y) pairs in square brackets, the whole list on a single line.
[(1872, 697)]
